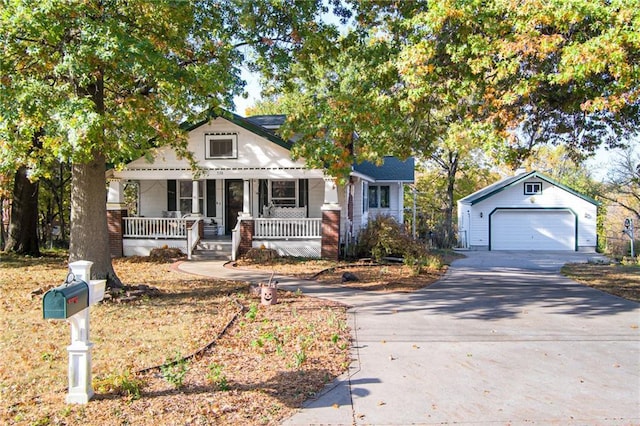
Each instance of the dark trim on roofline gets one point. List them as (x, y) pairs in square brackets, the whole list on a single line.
[(540, 176), (213, 113)]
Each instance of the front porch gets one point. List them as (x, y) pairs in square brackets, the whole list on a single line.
[(286, 229)]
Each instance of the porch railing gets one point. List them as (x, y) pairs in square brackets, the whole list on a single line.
[(193, 236), (287, 228), (154, 227)]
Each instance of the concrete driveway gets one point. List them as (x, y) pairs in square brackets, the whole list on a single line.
[(502, 339)]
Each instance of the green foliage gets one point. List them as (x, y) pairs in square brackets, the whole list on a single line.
[(217, 377), (124, 384), (95, 83), (174, 371), (299, 358), (252, 313), (441, 77), (384, 237)]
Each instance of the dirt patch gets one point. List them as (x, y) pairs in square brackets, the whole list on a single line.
[(251, 364), (620, 280), (391, 277), (371, 276)]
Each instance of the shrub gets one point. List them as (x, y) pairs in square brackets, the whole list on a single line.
[(384, 237), (124, 384)]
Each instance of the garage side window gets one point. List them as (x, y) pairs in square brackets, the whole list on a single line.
[(532, 188)]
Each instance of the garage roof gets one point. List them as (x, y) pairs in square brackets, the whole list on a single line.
[(508, 182)]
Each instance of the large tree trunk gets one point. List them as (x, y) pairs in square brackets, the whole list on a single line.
[(449, 237), (3, 237), (89, 234), (23, 223)]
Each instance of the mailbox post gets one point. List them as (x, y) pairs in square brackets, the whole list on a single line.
[(63, 302)]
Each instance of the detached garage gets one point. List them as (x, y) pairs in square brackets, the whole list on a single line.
[(528, 211)]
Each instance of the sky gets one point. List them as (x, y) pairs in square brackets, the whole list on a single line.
[(253, 90), (600, 164)]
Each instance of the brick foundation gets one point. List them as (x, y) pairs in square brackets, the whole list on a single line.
[(247, 228), (330, 234), (115, 225)]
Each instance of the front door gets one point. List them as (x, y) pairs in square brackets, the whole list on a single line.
[(234, 196)]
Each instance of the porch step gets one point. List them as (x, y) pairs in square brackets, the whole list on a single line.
[(213, 249)]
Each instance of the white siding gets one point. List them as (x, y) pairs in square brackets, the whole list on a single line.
[(513, 197), (256, 158), (394, 209), (142, 247)]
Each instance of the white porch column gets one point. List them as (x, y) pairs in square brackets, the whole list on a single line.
[(195, 198), (115, 195), (330, 192), (246, 198)]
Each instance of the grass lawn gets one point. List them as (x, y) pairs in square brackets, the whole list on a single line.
[(617, 279), (252, 364), (267, 362)]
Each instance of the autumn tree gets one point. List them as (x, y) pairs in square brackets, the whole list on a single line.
[(105, 81), (437, 193), (439, 78), (623, 181)]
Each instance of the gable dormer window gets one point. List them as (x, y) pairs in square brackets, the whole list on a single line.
[(221, 145), (533, 188)]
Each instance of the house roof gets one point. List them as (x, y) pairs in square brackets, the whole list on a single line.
[(510, 181), (254, 125), (269, 122), (391, 169)]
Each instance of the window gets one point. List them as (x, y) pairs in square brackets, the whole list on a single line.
[(532, 188), (384, 197), (186, 192), (373, 197), (379, 196), (221, 145), (283, 193)]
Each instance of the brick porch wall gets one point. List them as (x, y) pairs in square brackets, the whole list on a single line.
[(114, 224), (247, 229), (330, 234), (200, 226)]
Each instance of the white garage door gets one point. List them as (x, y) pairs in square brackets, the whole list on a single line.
[(532, 230)]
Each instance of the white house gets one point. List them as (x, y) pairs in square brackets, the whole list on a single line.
[(529, 211), (247, 179)]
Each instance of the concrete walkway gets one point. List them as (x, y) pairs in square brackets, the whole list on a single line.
[(502, 339)]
